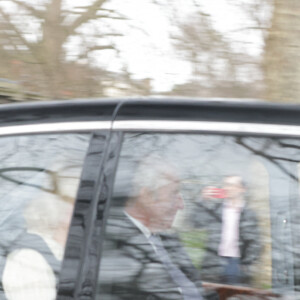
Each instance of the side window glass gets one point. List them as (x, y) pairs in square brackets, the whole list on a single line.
[(198, 214), (39, 177)]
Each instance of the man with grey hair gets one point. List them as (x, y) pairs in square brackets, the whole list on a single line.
[(156, 197), (142, 259)]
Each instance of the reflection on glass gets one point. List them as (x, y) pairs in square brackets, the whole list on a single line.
[(150, 259), (233, 239), (236, 231), (39, 176)]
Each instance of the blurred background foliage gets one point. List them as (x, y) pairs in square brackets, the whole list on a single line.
[(59, 49)]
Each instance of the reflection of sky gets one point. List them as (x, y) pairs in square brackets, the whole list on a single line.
[(62, 152), (198, 157), (204, 159)]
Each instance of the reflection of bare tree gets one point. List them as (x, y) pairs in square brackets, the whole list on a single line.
[(216, 152), (271, 158), (30, 169), (53, 176), (288, 145)]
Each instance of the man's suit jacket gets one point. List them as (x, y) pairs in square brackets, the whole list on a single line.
[(131, 269)]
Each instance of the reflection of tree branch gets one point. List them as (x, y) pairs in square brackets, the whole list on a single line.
[(51, 173), (54, 175), (278, 157), (285, 145), (269, 158)]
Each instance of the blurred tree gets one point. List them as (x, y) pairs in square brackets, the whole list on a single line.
[(282, 53), (218, 69), (34, 43)]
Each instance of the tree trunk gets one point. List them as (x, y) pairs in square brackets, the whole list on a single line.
[(282, 53)]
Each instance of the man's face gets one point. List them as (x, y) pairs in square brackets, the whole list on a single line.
[(233, 187), (164, 204)]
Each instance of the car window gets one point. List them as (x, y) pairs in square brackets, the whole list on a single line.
[(39, 177), (192, 209)]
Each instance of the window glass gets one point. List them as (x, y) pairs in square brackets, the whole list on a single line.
[(39, 177), (197, 208)]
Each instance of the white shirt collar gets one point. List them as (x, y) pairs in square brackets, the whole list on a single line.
[(139, 225)]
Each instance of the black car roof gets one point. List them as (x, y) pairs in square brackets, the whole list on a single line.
[(57, 111), (144, 108)]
